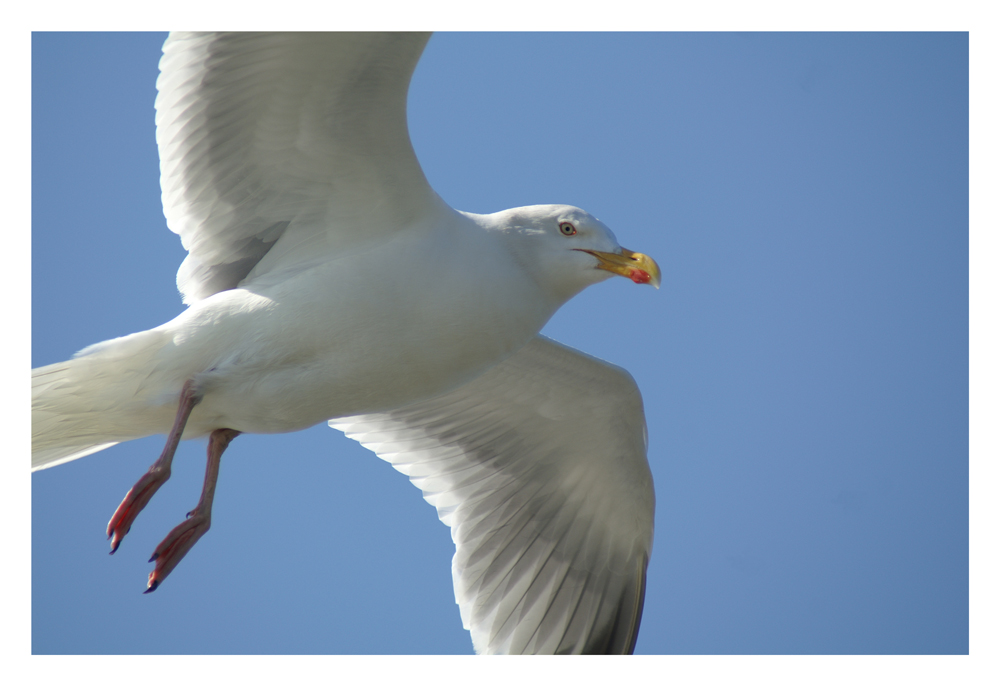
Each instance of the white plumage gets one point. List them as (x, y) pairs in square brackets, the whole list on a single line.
[(539, 468), (325, 279)]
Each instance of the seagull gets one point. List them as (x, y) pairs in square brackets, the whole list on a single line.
[(326, 281)]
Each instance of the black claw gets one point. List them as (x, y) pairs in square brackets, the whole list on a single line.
[(153, 559), (152, 587)]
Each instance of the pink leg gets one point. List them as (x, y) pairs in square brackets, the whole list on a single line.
[(178, 542), (139, 495)]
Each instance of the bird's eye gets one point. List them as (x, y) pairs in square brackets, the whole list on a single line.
[(567, 229)]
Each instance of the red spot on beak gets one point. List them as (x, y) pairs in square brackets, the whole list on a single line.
[(639, 276)]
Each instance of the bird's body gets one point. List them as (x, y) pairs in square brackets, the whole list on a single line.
[(327, 281), (360, 332)]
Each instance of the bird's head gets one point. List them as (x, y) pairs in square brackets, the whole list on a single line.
[(567, 249)]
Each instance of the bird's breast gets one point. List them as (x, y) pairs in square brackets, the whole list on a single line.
[(353, 338)]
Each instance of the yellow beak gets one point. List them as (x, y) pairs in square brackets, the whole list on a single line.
[(633, 265)]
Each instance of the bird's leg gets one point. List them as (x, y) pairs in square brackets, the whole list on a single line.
[(178, 542), (139, 495)]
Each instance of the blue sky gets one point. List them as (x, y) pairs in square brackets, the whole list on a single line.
[(804, 366)]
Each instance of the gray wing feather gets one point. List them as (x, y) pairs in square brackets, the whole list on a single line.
[(284, 145), (539, 468)]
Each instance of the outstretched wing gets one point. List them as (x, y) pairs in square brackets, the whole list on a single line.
[(277, 148), (539, 468)]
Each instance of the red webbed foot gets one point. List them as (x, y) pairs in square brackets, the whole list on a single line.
[(135, 500), (176, 545)]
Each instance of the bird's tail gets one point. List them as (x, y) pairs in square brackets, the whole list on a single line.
[(97, 399)]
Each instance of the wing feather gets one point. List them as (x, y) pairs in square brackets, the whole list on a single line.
[(278, 147), (539, 468)]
